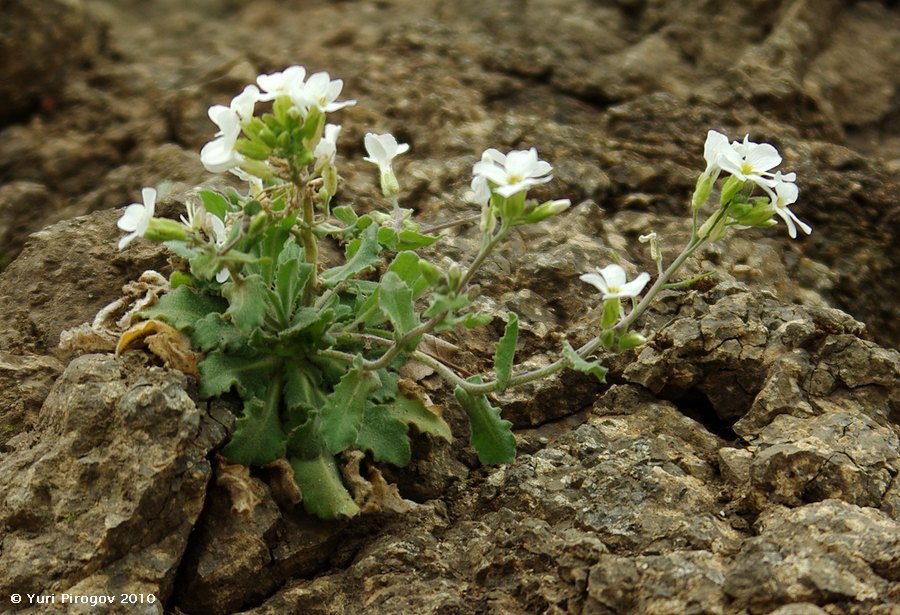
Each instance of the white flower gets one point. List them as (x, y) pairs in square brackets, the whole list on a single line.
[(281, 83), (481, 190), (220, 236), (256, 183), (218, 155), (137, 217), (382, 150), (320, 91), (511, 173), (783, 194), (327, 146), (716, 143), (612, 282), (750, 161)]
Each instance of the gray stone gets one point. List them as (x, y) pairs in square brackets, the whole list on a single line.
[(102, 497)]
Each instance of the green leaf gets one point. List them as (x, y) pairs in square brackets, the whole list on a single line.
[(387, 237), (492, 435), (474, 320), (384, 436), (447, 303), (411, 240), (506, 351), (584, 366), (213, 332), (364, 257), (395, 299), (258, 438), (343, 410), (183, 307), (247, 371), (406, 265), (324, 495), (248, 299), (291, 276), (345, 214), (215, 203), (413, 412), (302, 385)]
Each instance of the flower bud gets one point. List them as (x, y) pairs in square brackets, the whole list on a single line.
[(163, 229), (714, 228), (454, 277), (431, 273), (701, 191), (757, 212), (630, 340), (546, 210), (730, 188)]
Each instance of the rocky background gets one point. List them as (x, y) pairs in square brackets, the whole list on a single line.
[(746, 460)]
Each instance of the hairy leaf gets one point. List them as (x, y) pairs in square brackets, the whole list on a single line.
[(414, 412), (247, 371), (324, 495), (302, 386), (383, 435), (395, 299), (492, 435), (364, 257), (182, 307), (213, 332), (506, 351), (215, 203), (582, 365), (249, 302), (343, 410), (258, 438)]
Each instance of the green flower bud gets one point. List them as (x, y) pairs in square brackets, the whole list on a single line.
[(431, 273), (757, 212), (546, 210), (255, 150), (730, 188), (630, 340), (714, 228), (701, 191), (454, 277), (163, 229)]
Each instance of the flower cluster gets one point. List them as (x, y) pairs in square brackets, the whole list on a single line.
[(750, 163)]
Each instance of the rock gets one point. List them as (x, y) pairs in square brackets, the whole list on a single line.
[(830, 551), (18, 203), (839, 454), (26, 382), (102, 496), (41, 48)]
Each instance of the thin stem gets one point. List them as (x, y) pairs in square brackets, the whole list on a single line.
[(392, 352), (451, 224), (310, 248), (485, 251)]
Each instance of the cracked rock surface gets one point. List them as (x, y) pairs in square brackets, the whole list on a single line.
[(746, 460)]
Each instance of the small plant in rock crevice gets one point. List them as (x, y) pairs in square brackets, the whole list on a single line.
[(314, 352)]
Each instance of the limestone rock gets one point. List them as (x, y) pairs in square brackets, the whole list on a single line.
[(102, 496)]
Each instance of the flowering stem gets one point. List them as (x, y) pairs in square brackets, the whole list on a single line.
[(310, 249), (486, 249), (588, 348)]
